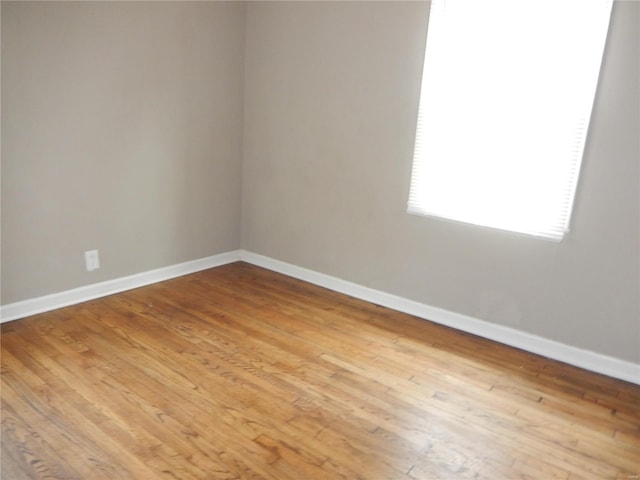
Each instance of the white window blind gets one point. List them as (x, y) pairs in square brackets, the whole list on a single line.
[(507, 92)]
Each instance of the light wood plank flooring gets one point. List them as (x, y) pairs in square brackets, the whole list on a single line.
[(241, 373)]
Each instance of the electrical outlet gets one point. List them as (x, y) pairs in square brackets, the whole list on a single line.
[(92, 260)]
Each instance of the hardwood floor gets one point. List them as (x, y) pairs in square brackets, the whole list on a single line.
[(241, 373)]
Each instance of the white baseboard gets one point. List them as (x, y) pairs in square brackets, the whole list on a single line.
[(13, 311), (589, 360), (586, 359)]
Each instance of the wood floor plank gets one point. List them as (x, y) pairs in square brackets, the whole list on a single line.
[(237, 372), (31, 455), (64, 409)]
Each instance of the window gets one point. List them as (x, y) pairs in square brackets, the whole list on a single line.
[(507, 92)]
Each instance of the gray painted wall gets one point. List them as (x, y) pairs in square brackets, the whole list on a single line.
[(330, 106), (121, 131)]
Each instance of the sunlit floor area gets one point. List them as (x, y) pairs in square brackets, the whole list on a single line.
[(238, 372)]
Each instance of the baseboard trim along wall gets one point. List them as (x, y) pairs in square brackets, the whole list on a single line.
[(589, 360), (33, 306), (586, 359)]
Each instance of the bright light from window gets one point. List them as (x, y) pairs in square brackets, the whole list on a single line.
[(507, 92)]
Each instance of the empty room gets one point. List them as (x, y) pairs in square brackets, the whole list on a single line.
[(300, 240)]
